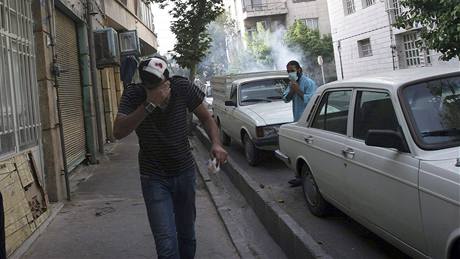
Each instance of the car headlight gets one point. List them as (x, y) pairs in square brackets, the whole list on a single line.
[(267, 131)]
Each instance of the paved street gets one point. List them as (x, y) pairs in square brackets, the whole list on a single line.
[(339, 235), (107, 217)]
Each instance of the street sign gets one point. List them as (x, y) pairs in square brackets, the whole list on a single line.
[(320, 60)]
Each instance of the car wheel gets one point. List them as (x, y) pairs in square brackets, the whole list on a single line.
[(455, 253), (317, 205), (224, 138), (250, 151)]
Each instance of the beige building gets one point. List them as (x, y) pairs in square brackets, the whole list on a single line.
[(274, 14), (56, 107)]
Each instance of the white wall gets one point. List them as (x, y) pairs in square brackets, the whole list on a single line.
[(371, 22)]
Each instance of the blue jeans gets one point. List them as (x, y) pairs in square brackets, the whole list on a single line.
[(170, 203)]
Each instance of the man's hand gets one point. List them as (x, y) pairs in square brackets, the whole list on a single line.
[(296, 88), (219, 153), (160, 94)]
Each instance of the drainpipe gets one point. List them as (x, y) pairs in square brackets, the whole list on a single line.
[(388, 9), (92, 54), (56, 72), (339, 47)]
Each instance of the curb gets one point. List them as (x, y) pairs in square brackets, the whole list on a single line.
[(27, 244), (293, 240), (236, 237)]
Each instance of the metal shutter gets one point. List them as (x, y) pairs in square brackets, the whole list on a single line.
[(70, 90)]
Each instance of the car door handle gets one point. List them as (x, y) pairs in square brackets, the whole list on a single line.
[(350, 153), (309, 140)]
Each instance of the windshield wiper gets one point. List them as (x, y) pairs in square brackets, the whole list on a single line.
[(275, 97), (441, 133), (256, 100)]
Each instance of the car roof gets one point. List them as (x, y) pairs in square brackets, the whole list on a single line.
[(395, 79), (257, 78)]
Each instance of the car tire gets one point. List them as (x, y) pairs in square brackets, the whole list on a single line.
[(317, 205), (455, 253), (224, 138), (251, 153)]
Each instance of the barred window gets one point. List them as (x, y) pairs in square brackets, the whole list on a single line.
[(311, 23), (364, 47), (367, 3), (414, 55), (349, 6), (19, 110)]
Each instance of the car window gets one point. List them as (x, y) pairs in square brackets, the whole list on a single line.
[(267, 90), (332, 114), (435, 110), (233, 96), (373, 111)]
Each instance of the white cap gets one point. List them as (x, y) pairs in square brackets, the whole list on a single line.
[(157, 67)]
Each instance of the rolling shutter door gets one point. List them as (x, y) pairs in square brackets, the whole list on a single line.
[(70, 90)]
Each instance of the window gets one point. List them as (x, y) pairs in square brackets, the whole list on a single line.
[(300, 1), (311, 23), (374, 111), (364, 47), (332, 114), (19, 113), (414, 55), (367, 3), (396, 6), (349, 6), (434, 108), (268, 90)]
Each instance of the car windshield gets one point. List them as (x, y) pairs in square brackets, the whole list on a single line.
[(267, 90), (435, 109)]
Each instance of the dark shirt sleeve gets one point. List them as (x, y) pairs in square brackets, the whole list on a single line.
[(131, 98), (195, 97)]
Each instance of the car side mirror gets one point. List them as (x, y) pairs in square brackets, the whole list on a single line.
[(386, 139), (230, 103)]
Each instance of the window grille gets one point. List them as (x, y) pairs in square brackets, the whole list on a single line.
[(364, 47), (19, 110)]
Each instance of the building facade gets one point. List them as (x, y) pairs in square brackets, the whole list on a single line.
[(275, 14), (54, 100), (365, 40)]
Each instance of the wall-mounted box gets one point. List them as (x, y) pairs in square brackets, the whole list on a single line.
[(107, 48), (129, 43)]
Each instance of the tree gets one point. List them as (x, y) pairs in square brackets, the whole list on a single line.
[(439, 21), (310, 41), (259, 46), (190, 19)]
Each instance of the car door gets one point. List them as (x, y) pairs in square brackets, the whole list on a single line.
[(324, 141), (229, 116), (383, 182)]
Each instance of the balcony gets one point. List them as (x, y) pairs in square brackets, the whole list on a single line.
[(264, 9)]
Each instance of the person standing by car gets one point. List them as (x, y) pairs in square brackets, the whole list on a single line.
[(156, 110), (300, 90)]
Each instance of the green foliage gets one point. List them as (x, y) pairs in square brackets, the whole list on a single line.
[(440, 21), (259, 47), (190, 21), (310, 41)]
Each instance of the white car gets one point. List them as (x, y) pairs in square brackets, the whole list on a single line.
[(249, 110), (387, 154)]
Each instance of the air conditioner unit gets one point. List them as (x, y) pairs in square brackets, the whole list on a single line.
[(129, 43), (106, 45)]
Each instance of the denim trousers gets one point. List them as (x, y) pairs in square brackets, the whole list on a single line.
[(170, 203)]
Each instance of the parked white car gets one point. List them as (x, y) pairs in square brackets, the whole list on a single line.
[(249, 110), (385, 150)]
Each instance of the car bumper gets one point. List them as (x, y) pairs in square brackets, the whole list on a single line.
[(281, 156), (267, 143)]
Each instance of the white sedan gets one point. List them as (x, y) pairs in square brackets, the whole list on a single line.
[(385, 150)]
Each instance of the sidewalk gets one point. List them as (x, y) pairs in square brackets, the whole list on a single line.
[(107, 219)]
